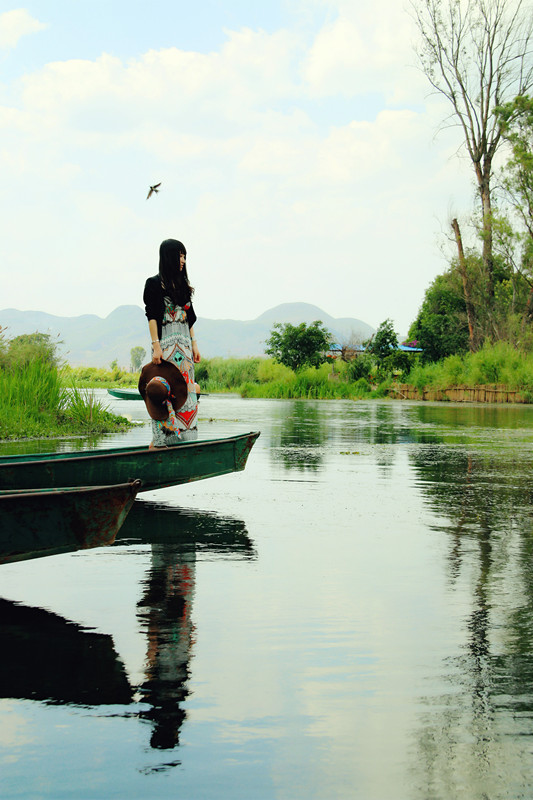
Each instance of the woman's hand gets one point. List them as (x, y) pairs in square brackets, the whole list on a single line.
[(157, 353), (195, 352)]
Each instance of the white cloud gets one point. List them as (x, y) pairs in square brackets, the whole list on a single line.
[(16, 24), (366, 48), (275, 202)]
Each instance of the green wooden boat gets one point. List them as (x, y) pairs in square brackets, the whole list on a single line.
[(44, 522), (188, 461), (125, 394)]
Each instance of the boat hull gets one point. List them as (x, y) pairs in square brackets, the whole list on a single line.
[(50, 521), (125, 394), (186, 462)]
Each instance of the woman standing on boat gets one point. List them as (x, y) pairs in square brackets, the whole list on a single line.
[(167, 299)]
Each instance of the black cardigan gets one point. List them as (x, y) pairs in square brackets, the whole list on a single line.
[(154, 304)]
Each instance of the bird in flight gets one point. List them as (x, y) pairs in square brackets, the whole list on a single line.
[(153, 189)]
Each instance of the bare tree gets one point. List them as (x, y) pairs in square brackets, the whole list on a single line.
[(478, 54)]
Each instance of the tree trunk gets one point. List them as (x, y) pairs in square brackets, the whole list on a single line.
[(528, 312), (487, 252), (470, 312), (483, 182)]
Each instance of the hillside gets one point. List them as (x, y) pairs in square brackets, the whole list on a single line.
[(92, 341)]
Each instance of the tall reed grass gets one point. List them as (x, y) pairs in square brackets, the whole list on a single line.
[(98, 377), (34, 402), (500, 363)]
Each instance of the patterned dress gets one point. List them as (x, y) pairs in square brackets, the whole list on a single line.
[(177, 347)]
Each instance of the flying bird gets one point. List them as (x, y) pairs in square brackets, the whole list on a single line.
[(153, 189)]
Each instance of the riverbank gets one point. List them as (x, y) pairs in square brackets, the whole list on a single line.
[(496, 373), (461, 394)]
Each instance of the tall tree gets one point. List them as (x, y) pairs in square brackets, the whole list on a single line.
[(298, 345), (477, 53), (137, 355), (383, 341), (516, 119)]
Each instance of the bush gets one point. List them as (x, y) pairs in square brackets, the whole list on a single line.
[(362, 387), (270, 370), (360, 367), (33, 398), (500, 363)]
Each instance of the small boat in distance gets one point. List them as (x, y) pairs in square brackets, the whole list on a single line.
[(125, 394), (134, 394), (41, 522), (169, 466)]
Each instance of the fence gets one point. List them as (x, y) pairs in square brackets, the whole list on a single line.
[(462, 394)]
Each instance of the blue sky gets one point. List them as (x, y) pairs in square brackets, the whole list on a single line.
[(295, 142)]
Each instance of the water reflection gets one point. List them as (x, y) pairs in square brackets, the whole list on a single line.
[(48, 658), (303, 429), (470, 415), (299, 435), (486, 503), (186, 530), (165, 616)]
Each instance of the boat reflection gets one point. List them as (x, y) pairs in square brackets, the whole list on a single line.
[(186, 530), (46, 657), (53, 660)]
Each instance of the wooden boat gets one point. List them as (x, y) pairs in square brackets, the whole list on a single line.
[(133, 394), (125, 394), (188, 461), (49, 521)]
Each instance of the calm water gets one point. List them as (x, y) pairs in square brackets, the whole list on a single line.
[(351, 617)]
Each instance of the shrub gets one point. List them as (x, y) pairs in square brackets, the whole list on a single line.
[(270, 370), (360, 367)]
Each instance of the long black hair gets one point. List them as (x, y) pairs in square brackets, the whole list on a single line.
[(175, 281)]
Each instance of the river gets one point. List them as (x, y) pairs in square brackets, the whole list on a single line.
[(349, 618)]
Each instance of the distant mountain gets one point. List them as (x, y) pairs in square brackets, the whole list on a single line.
[(91, 341)]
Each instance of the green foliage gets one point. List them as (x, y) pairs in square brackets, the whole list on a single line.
[(137, 355), (499, 363), (82, 408), (296, 346), (516, 119), (97, 377), (270, 370), (31, 347), (33, 399), (501, 304), (441, 327), (360, 367), (362, 387), (383, 341), (226, 374)]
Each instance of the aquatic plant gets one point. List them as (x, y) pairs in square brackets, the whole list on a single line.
[(34, 401)]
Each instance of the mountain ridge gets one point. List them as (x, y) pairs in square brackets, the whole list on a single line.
[(90, 340)]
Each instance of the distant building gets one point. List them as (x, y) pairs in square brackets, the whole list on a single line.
[(349, 352)]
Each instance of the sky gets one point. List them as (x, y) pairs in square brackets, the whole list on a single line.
[(300, 153)]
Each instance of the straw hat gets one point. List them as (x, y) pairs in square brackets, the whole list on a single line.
[(155, 394)]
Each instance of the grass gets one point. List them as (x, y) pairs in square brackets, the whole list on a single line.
[(35, 403), (491, 365), (263, 377), (98, 378)]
